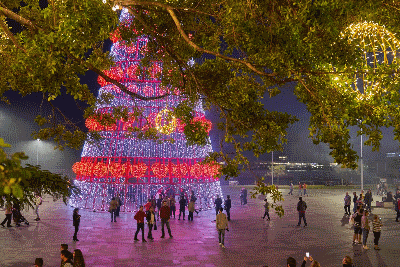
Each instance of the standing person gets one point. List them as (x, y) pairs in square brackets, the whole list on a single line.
[(148, 205), (291, 189), (266, 207), (228, 205), (8, 212), (118, 199), (244, 195), (241, 197), (355, 198), (376, 229), (139, 217), (172, 204), (191, 210), (347, 202), (165, 214), (151, 221), (222, 224), (299, 189), (38, 262), (368, 200), (360, 201), (79, 261), (357, 226), (397, 208), (182, 206), (153, 202), (218, 204), (76, 221), (113, 209), (365, 228), (305, 189), (70, 255), (38, 202), (159, 203), (65, 259), (301, 208)]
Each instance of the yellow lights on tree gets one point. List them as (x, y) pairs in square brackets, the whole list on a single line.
[(379, 48), (165, 122)]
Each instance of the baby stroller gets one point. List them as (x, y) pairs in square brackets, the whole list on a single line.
[(18, 218)]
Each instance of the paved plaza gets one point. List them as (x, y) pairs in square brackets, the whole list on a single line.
[(251, 241)]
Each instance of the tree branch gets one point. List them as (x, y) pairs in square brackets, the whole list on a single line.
[(9, 14), (195, 46), (10, 35)]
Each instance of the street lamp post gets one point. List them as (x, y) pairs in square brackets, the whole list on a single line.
[(362, 166), (272, 167), (37, 152)]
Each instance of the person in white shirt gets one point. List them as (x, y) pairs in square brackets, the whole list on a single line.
[(38, 202)]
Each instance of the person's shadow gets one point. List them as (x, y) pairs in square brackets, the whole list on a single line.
[(344, 220)]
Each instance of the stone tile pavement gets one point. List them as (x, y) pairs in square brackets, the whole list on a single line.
[(251, 241)]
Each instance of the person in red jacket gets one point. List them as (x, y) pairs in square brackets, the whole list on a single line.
[(165, 214), (139, 217)]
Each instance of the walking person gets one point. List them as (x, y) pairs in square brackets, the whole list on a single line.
[(153, 203), (172, 203), (357, 226), (139, 217), (38, 202), (228, 205), (151, 221), (355, 198), (218, 204), (368, 200), (242, 197), (222, 224), (8, 213), (76, 218), (113, 209), (301, 208), (305, 189), (79, 261), (182, 207), (347, 202), (165, 214), (365, 228), (291, 189), (376, 229), (299, 189), (266, 207), (191, 210), (397, 209), (118, 199)]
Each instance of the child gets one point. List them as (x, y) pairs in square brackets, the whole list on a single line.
[(376, 228)]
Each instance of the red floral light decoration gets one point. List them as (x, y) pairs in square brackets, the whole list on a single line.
[(93, 125), (100, 169), (204, 122), (76, 168), (180, 125), (115, 36), (128, 123), (180, 169), (138, 170), (211, 169), (160, 170), (155, 71), (117, 169), (196, 170)]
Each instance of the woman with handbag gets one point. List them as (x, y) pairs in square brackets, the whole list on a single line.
[(151, 221)]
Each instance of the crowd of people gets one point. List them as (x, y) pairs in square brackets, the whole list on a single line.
[(68, 259), (163, 209)]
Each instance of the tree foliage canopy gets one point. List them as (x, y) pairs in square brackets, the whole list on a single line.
[(341, 54)]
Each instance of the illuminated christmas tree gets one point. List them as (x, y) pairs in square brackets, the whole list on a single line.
[(136, 169)]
